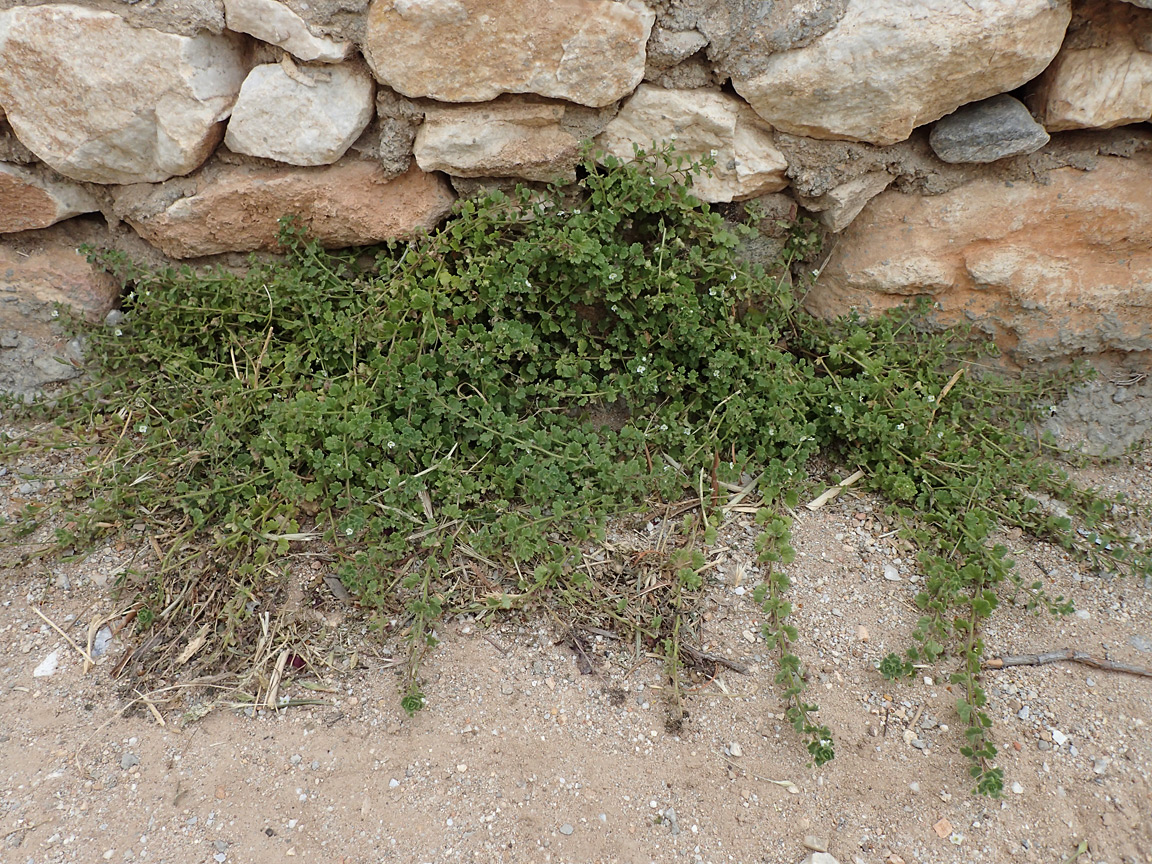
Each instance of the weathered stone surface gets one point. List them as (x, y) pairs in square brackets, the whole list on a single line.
[(586, 51), (1051, 270), (235, 208), (37, 270), (1102, 76), (986, 131), (390, 137), (302, 116), (838, 207), (666, 48), (513, 136), (743, 34), (31, 198), (101, 101), (702, 123), (11, 150), (273, 22), (889, 65), (184, 17)]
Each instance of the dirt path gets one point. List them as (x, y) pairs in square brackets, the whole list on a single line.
[(521, 758)]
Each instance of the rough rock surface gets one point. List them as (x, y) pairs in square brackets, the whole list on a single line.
[(702, 123), (184, 17), (1052, 270), (31, 198), (513, 136), (11, 150), (1102, 76), (986, 131), (235, 208), (37, 270), (743, 34), (586, 51), (1106, 416), (273, 22), (101, 101), (390, 137), (889, 66), (838, 207), (302, 116)]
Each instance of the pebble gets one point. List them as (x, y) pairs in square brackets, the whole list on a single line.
[(1024, 713), (862, 633), (1140, 643), (891, 573), (1089, 682), (1043, 745), (1017, 789), (566, 829), (816, 844), (1059, 738), (1083, 614), (128, 760), (670, 818), (1099, 766), (47, 666), (734, 750)]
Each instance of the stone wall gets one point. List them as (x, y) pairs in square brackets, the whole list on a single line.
[(994, 155)]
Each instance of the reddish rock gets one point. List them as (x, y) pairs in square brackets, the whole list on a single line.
[(39, 269), (235, 208), (1050, 269), (31, 198)]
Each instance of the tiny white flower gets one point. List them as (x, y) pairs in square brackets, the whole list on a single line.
[(348, 532), (900, 426), (640, 370), (142, 428), (119, 332), (612, 277), (663, 427), (939, 434), (55, 313), (651, 181), (614, 307), (711, 152), (931, 398), (732, 278), (837, 409), (672, 137), (391, 445)]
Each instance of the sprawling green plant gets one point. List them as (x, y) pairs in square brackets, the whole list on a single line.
[(500, 388)]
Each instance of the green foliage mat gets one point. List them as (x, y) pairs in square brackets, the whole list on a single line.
[(506, 384)]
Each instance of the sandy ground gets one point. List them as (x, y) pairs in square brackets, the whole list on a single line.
[(519, 757)]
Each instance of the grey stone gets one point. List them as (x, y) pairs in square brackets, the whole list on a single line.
[(128, 760), (1141, 643), (986, 131), (743, 33)]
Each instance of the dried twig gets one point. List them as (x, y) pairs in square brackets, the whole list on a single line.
[(699, 657), (87, 657), (1071, 656), (829, 494)]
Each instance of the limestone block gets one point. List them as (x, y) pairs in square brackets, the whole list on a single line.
[(301, 115), (273, 22), (586, 51), (235, 208), (39, 269), (1102, 76), (889, 66), (513, 136), (104, 102), (31, 198), (838, 207), (1051, 269), (702, 123), (986, 131)]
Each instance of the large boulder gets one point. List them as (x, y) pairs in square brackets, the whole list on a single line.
[(1102, 76), (36, 198), (302, 116), (586, 51), (702, 124), (236, 208), (39, 269), (1051, 269), (513, 136), (273, 22), (889, 66), (104, 102)]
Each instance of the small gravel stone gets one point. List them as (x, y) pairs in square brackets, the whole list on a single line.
[(1043, 745), (891, 573), (1059, 738), (566, 829), (128, 760), (734, 750), (1099, 766), (1017, 789), (1089, 682)]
